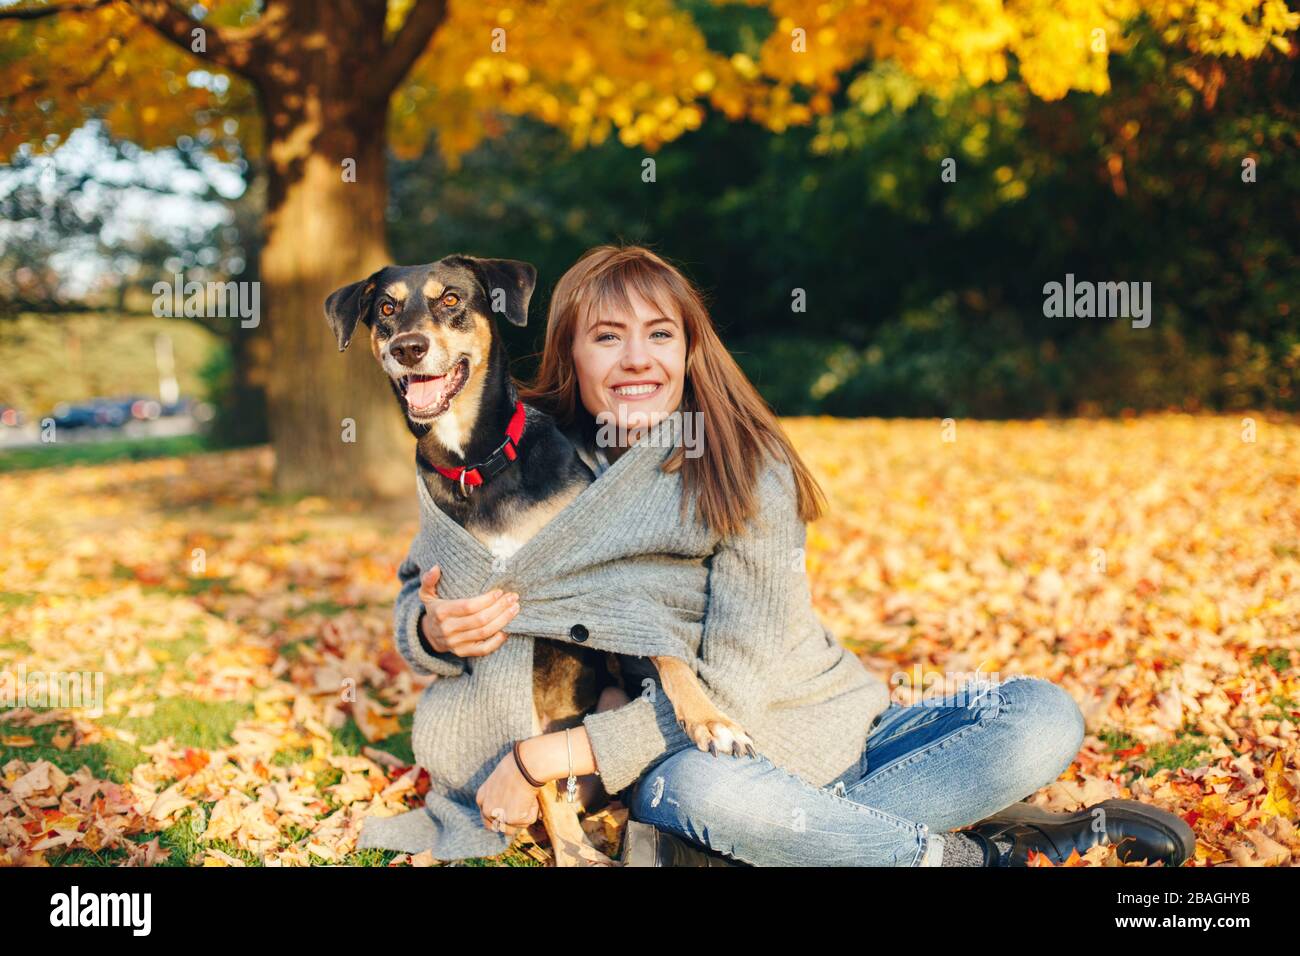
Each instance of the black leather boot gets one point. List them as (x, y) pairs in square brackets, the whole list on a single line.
[(1138, 831), (644, 845)]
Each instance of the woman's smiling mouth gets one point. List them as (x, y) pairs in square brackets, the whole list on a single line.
[(637, 391)]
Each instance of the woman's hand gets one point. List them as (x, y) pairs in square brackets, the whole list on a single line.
[(506, 800), (466, 627)]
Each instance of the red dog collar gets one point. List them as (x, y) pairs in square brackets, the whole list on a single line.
[(495, 463)]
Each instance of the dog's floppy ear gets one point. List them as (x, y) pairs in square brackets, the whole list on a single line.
[(509, 285), (347, 305)]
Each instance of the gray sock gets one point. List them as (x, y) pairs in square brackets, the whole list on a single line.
[(962, 850)]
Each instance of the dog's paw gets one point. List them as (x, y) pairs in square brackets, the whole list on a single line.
[(718, 733)]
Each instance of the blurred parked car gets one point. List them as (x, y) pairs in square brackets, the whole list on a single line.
[(146, 409), (111, 413), (67, 415), (126, 410)]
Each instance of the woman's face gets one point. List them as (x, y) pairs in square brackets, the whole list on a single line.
[(631, 366)]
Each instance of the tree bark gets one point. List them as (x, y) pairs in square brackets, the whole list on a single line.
[(323, 232), (324, 71)]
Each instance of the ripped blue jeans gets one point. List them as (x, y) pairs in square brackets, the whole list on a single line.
[(926, 768)]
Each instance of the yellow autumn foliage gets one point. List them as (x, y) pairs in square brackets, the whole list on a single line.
[(637, 69)]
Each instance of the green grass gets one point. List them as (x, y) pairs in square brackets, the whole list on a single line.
[(208, 725), (56, 455), (108, 760), (177, 651), (12, 599), (191, 587), (191, 723), (349, 739), (292, 650), (1285, 705), (1279, 659), (328, 608), (1185, 751)]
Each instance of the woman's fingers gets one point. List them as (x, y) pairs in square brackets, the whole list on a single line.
[(490, 625), (484, 647), (429, 584), (467, 627), (497, 823), (474, 626), (459, 607), (468, 607), (463, 613)]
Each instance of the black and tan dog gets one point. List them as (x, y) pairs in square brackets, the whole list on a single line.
[(498, 473)]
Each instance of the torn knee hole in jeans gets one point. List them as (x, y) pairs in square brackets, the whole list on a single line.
[(1018, 677), (989, 699), (657, 793)]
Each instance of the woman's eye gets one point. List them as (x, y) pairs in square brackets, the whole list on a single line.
[(387, 308), (663, 332), (450, 299)]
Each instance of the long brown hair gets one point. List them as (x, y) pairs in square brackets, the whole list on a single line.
[(738, 425)]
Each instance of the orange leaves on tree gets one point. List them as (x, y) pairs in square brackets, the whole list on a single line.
[(641, 71)]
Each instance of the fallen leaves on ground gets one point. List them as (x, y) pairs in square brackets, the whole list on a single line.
[(255, 708)]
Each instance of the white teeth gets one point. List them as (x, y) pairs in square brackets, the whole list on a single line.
[(635, 389)]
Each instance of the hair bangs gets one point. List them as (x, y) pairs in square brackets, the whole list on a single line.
[(613, 286)]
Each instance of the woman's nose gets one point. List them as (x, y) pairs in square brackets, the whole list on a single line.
[(635, 355)]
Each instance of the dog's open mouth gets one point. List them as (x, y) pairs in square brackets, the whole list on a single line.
[(428, 396)]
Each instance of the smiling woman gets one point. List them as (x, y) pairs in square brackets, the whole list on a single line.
[(631, 363), (630, 339), (696, 563), (860, 782)]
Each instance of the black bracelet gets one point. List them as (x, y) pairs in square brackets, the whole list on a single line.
[(519, 762)]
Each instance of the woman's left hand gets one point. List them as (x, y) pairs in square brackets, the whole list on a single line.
[(507, 797)]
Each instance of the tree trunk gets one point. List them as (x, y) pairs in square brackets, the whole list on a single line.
[(323, 232)]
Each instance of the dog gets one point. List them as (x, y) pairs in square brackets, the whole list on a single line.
[(432, 332)]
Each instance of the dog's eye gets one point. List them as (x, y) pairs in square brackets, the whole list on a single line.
[(387, 308), (450, 299)]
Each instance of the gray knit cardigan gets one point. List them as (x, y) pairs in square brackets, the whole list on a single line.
[(619, 561)]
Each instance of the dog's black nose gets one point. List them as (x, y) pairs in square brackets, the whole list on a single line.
[(409, 348)]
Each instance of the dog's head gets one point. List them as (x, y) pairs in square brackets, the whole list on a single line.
[(431, 326)]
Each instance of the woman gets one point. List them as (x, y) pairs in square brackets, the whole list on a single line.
[(629, 342)]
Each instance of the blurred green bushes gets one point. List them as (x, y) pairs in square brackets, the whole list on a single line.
[(935, 362), (924, 297)]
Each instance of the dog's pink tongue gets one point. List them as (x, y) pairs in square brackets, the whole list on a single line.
[(423, 394)]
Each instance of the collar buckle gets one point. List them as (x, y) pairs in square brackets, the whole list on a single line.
[(497, 462)]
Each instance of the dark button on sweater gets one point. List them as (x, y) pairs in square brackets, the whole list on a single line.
[(578, 633)]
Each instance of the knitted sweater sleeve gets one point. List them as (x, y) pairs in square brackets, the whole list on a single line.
[(407, 613), (744, 625)]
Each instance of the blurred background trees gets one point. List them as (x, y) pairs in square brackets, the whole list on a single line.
[(797, 145)]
